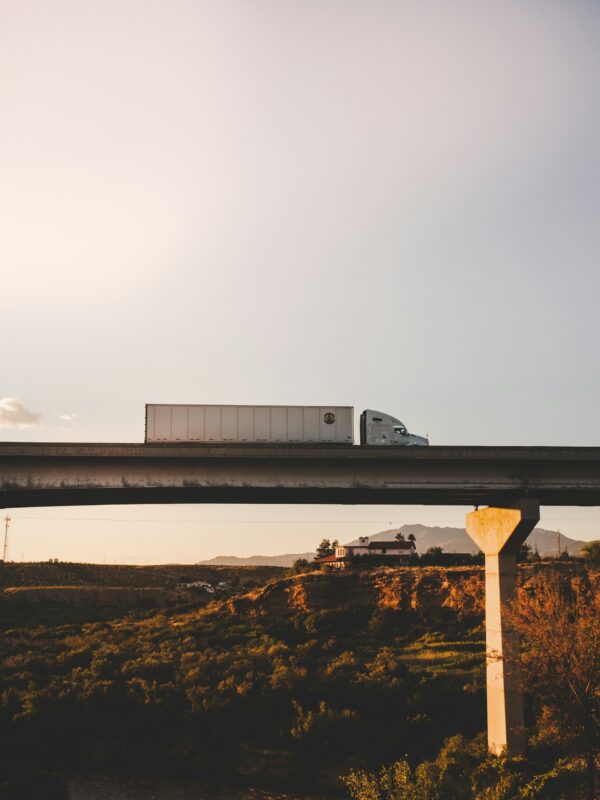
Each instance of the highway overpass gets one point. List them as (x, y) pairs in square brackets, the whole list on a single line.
[(511, 481), (58, 474)]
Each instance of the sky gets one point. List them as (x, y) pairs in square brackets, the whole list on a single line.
[(390, 205)]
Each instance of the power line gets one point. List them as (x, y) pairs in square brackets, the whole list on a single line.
[(219, 521), (438, 523)]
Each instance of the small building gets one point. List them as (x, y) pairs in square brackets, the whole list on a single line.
[(383, 545)]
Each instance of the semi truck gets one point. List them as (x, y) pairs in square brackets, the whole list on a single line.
[(272, 424)]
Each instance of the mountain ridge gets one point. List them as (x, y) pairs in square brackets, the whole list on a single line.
[(451, 540), (284, 560)]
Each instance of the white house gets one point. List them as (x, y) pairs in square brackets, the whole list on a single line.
[(385, 544)]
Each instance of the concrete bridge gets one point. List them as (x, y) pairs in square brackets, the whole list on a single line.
[(511, 481), (41, 474)]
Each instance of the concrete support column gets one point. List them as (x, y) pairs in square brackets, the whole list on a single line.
[(504, 698), (499, 533)]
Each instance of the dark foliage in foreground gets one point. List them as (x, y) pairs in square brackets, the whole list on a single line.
[(292, 694), (463, 770), (291, 698), (27, 784), (558, 619)]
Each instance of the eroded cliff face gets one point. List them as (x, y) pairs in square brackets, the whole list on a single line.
[(410, 589), (400, 589)]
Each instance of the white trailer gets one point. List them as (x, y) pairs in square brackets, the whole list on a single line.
[(204, 423)]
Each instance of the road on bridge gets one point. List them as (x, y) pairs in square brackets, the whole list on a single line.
[(55, 474)]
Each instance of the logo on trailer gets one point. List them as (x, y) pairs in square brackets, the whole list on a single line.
[(329, 418)]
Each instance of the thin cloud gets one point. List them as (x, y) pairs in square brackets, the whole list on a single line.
[(13, 414), (67, 417)]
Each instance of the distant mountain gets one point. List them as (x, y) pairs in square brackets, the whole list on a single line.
[(451, 540), (285, 560), (456, 540)]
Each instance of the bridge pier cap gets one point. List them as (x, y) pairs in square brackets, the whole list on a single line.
[(500, 533), (503, 529)]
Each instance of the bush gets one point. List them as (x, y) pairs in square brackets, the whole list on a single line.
[(397, 782), (464, 771), (591, 551)]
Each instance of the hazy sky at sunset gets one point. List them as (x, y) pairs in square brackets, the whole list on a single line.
[(391, 205)]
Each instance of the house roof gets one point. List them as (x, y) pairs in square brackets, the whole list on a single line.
[(327, 559)]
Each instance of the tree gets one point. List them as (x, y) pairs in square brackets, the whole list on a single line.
[(560, 632), (301, 565), (591, 551), (524, 553), (432, 556), (411, 537), (400, 537), (326, 548), (535, 555)]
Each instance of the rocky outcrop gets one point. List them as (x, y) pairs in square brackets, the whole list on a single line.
[(400, 588), (411, 589)]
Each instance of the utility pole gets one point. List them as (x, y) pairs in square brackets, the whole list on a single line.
[(6, 524)]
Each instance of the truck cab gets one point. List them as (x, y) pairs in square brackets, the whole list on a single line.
[(382, 429)]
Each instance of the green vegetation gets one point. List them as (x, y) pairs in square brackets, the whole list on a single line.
[(591, 551), (433, 557), (164, 576), (559, 624), (326, 548), (297, 695), (302, 680), (301, 565), (41, 593), (462, 770)]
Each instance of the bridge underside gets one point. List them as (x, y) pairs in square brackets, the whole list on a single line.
[(178, 495), (38, 474)]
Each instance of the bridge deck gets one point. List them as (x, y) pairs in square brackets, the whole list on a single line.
[(45, 474)]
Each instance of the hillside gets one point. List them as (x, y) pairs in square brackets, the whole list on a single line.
[(320, 669), (291, 683), (165, 576), (413, 591), (450, 593), (46, 592)]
